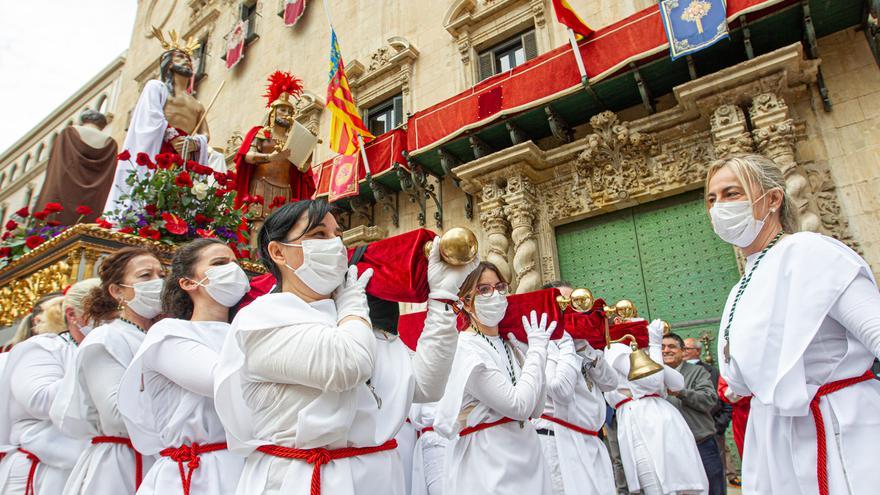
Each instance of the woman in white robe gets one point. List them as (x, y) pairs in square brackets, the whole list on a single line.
[(573, 415), (429, 452), (306, 388), (166, 396), (490, 397), (799, 334), (38, 457), (128, 300), (657, 449)]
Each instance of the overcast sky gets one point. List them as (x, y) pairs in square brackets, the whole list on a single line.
[(50, 49)]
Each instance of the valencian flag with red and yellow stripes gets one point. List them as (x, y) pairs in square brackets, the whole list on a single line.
[(345, 120), (567, 16)]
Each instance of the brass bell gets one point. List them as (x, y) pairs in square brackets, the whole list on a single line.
[(623, 308), (458, 246), (640, 363), (581, 300), (666, 327)]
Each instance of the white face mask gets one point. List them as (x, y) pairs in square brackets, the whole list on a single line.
[(325, 263), (735, 223), (490, 309), (227, 284), (85, 329), (147, 300)]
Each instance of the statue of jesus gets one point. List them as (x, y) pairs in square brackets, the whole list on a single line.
[(165, 117)]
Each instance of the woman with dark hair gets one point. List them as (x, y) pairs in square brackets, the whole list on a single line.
[(38, 456), (492, 392), (166, 396), (306, 387), (124, 306)]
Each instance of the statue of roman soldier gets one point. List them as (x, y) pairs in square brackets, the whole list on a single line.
[(262, 162), (165, 117)]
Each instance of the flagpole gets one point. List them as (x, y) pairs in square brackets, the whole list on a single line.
[(367, 173), (577, 56)]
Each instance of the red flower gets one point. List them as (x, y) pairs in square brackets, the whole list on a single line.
[(53, 208), (207, 234), (125, 155), (219, 193), (103, 223), (6, 235), (23, 213), (151, 209), (33, 241), (11, 225), (5, 252), (277, 201), (230, 176), (183, 180), (220, 178), (83, 210), (257, 199), (176, 159), (244, 253), (174, 224), (165, 160), (148, 232), (126, 230), (41, 215), (143, 159), (202, 219), (53, 223)]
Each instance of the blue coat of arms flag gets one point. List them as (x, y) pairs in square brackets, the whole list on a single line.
[(692, 25)]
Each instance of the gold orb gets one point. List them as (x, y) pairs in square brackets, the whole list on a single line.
[(581, 300), (458, 246), (625, 309)]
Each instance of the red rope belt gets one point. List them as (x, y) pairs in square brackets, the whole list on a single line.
[(29, 487), (630, 399), (318, 457), (822, 454), (419, 433), (189, 454), (483, 426), (570, 426), (138, 458)]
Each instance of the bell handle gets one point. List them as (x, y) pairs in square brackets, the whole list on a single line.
[(633, 343)]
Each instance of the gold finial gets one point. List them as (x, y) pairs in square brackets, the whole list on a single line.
[(175, 42)]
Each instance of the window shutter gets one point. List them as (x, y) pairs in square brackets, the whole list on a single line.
[(398, 111), (485, 65), (530, 45)]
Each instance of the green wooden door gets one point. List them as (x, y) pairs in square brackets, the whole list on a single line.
[(662, 255)]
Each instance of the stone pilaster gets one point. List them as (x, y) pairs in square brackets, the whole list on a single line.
[(495, 225), (730, 132), (521, 211), (774, 135)]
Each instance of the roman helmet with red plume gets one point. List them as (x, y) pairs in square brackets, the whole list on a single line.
[(282, 85)]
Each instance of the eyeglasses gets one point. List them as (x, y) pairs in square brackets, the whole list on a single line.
[(487, 290)]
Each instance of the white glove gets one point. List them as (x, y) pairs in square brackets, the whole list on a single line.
[(566, 345), (586, 350), (538, 332), (731, 396), (351, 296), (655, 332), (444, 279)]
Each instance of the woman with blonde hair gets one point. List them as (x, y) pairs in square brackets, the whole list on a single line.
[(51, 318), (799, 333)]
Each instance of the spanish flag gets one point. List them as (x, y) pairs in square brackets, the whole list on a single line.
[(567, 16), (345, 120)]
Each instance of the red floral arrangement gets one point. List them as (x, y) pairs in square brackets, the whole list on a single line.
[(24, 231), (173, 202)]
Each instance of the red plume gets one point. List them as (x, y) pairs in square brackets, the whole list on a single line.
[(282, 82)]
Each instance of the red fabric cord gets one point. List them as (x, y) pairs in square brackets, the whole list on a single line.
[(570, 426), (483, 426), (138, 458), (189, 454), (29, 487), (822, 454), (318, 457), (630, 399)]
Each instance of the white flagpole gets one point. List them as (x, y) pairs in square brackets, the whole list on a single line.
[(577, 55), (367, 171)]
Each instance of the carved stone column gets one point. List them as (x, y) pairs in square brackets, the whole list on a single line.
[(730, 133), (521, 211), (775, 138), (496, 227)]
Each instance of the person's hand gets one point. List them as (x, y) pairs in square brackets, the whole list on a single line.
[(538, 331), (731, 396), (444, 280), (565, 344), (587, 351), (655, 332), (279, 155), (351, 296), (178, 143)]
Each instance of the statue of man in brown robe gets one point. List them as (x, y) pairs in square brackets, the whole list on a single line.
[(80, 169)]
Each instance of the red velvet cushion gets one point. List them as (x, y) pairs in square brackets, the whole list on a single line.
[(409, 328), (589, 326), (539, 301), (400, 267), (637, 328)]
